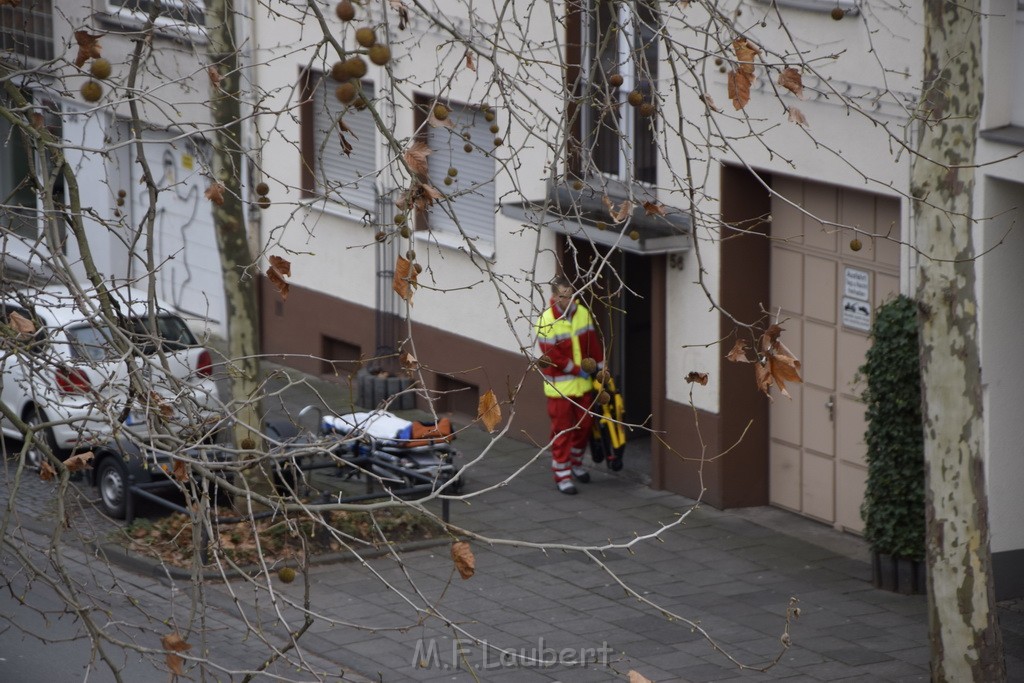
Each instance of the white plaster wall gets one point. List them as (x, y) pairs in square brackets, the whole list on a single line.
[(335, 254), (1001, 283)]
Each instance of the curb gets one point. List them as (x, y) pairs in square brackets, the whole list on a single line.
[(120, 555)]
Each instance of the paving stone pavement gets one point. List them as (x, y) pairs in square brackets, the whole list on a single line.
[(619, 578)]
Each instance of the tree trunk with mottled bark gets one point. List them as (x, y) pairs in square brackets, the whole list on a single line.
[(237, 261), (965, 637)]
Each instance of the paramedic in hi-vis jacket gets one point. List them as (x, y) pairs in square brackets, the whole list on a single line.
[(571, 353)]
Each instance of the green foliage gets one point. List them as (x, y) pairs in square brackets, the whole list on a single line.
[(893, 509)]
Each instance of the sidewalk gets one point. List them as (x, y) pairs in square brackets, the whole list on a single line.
[(732, 572)]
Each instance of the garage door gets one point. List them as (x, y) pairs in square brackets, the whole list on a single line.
[(825, 292)]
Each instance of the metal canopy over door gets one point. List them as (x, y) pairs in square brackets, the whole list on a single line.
[(825, 293)]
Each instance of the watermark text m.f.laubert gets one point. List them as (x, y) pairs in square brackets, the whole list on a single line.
[(431, 653)]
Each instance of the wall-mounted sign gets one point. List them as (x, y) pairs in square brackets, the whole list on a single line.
[(857, 284), (856, 314)]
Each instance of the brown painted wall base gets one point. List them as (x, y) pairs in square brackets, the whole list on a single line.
[(323, 335)]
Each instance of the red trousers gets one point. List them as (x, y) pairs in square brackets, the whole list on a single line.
[(570, 433)]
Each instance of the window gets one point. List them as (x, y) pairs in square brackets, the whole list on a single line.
[(172, 12), (26, 30), (339, 165), (469, 201), (620, 41)]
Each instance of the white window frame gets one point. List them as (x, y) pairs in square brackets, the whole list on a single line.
[(472, 192), (346, 182), (192, 30), (594, 84)]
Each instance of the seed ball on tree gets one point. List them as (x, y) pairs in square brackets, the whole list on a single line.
[(361, 102), (120, 201), (263, 202), (603, 376), (345, 10), (286, 574), (366, 37), (339, 71), (262, 188), (411, 255), (494, 128), (467, 148), (100, 68), (346, 92), (488, 116), (646, 109), (855, 244), (92, 91), (248, 444), (838, 13), (447, 180), (122, 194), (399, 219), (440, 112), (589, 365), (601, 225), (453, 171), (380, 54), (418, 268), (404, 231), (615, 80), (634, 235), (498, 142), (635, 98), (545, 361), (356, 67), (380, 236), (604, 398), (577, 185)]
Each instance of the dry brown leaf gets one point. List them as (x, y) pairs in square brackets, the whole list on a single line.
[(700, 378), (790, 79), (175, 643), (635, 677), (469, 61), (214, 73), (157, 401), (618, 214), (416, 158), (746, 52), (770, 336), (21, 324), (403, 13), (763, 378), (797, 117), (215, 193), (79, 461), (488, 411), (739, 88), (462, 555), (738, 353), (180, 470), (276, 273), (404, 279), (46, 471), (425, 195), (710, 102), (654, 209), (408, 361), (88, 47), (346, 146)]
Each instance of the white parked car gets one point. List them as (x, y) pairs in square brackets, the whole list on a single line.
[(62, 374)]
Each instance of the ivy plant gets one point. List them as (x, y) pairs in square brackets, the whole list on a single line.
[(893, 508)]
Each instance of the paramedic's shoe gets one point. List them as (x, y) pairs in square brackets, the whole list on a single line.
[(615, 462), (566, 486), (581, 474)]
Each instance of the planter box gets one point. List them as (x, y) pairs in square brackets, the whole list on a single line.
[(898, 574)]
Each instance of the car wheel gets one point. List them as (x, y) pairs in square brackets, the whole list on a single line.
[(36, 454), (112, 482)]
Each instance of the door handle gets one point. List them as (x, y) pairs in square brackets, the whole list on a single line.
[(830, 405)]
